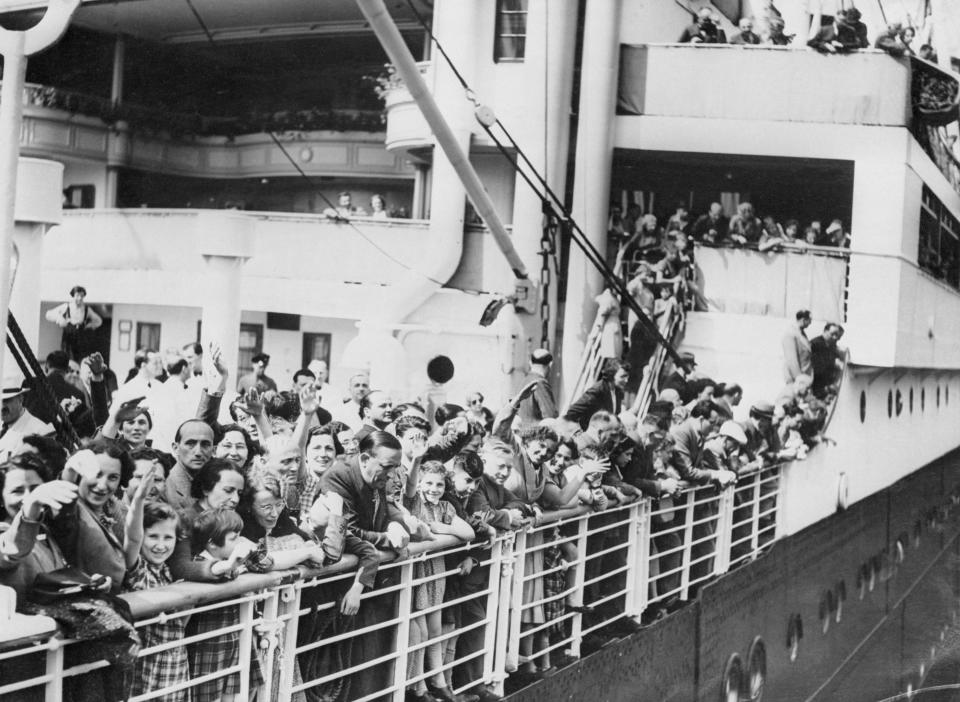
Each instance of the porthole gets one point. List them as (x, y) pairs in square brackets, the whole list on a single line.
[(863, 576), (938, 397), (946, 394), (911, 400), (863, 406), (872, 569), (756, 670), (732, 680), (923, 399), (899, 402), (890, 404), (917, 531)]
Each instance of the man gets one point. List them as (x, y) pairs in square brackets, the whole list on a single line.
[(258, 377), (796, 348), (727, 397), (540, 403), (690, 437), (322, 373), (605, 395), (602, 429), (77, 321), (746, 35), (69, 397), (149, 373), (172, 401), (763, 442), (704, 31), (376, 409), (680, 378), (348, 411), (720, 452), (302, 378), (711, 227), (839, 37), (192, 447), (826, 359), (193, 353), (17, 421)]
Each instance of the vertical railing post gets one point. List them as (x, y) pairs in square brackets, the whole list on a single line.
[(721, 562), (579, 576), (502, 619), (404, 615), (687, 544), (755, 519), (289, 608), (491, 629), (642, 575), (270, 609), (634, 537), (247, 613), (516, 601), (53, 690)]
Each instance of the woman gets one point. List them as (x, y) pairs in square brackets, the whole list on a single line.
[(645, 239), (378, 206), (129, 425), (345, 437), (267, 521), (237, 447), (320, 454), (219, 483), (26, 546), (745, 226), (90, 530)]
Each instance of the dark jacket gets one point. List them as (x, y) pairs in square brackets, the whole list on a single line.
[(366, 511), (602, 396)]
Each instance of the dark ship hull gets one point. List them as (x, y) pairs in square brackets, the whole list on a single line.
[(860, 606)]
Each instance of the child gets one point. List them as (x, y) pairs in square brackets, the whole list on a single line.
[(216, 538), (150, 538), (425, 502)]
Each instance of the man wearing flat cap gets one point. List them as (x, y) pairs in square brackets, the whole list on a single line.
[(258, 377), (17, 422), (539, 404)]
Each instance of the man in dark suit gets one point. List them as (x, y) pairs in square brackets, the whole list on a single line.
[(68, 396), (679, 379), (606, 395)]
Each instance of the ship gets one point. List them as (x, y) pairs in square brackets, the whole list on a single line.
[(187, 163)]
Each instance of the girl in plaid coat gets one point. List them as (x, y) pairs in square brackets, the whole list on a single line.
[(151, 535)]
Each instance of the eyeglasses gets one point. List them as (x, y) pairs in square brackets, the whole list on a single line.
[(272, 508)]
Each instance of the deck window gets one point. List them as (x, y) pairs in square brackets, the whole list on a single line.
[(511, 31), (939, 250)]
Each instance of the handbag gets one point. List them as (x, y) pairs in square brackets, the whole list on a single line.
[(58, 584)]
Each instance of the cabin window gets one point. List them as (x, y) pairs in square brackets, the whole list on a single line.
[(890, 404), (939, 250), (911, 400), (863, 406), (923, 399), (148, 336), (510, 42), (316, 346)]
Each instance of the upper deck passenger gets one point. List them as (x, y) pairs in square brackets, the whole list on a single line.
[(704, 31)]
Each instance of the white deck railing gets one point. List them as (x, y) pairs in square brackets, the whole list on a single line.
[(628, 558)]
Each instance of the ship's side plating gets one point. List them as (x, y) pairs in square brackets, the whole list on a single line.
[(858, 606)]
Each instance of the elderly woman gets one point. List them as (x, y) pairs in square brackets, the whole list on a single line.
[(745, 226)]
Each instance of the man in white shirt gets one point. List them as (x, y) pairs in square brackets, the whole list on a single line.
[(17, 422), (348, 411), (144, 381)]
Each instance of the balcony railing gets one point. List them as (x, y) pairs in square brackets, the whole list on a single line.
[(157, 120), (745, 281), (615, 563)]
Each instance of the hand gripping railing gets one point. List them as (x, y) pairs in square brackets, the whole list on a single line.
[(553, 591)]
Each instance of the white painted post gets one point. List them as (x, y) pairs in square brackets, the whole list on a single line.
[(490, 631), (502, 620), (53, 690), (516, 600), (247, 612), (579, 576), (641, 592), (289, 607), (404, 614), (687, 545)]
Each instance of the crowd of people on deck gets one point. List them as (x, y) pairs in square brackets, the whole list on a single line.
[(161, 489), (842, 32)]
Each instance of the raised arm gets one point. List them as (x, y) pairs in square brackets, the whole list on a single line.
[(133, 533), (503, 423)]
